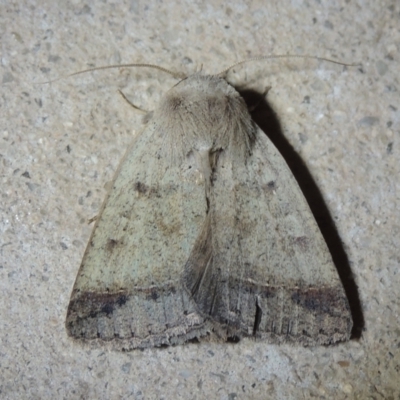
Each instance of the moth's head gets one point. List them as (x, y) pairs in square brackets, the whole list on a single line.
[(205, 94), (204, 112)]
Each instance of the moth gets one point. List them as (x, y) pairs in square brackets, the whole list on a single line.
[(206, 235)]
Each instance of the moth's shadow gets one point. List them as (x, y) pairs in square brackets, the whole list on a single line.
[(267, 120)]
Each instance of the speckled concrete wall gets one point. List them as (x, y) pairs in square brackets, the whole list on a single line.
[(61, 143)]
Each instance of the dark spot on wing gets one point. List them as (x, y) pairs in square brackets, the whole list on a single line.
[(318, 300), (153, 295), (122, 300), (141, 187), (112, 244), (269, 187), (174, 102), (107, 309)]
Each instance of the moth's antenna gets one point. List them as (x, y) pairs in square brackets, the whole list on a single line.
[(260, 58), (176, 75)]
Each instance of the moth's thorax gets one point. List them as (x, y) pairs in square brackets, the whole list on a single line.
[(197, 85), (208, 113)]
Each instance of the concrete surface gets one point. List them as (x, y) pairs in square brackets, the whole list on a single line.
[(60, 144)]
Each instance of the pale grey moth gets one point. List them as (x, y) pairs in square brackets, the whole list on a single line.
[(206, 235)]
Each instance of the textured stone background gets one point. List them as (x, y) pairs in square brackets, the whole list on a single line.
[(60, 144)]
